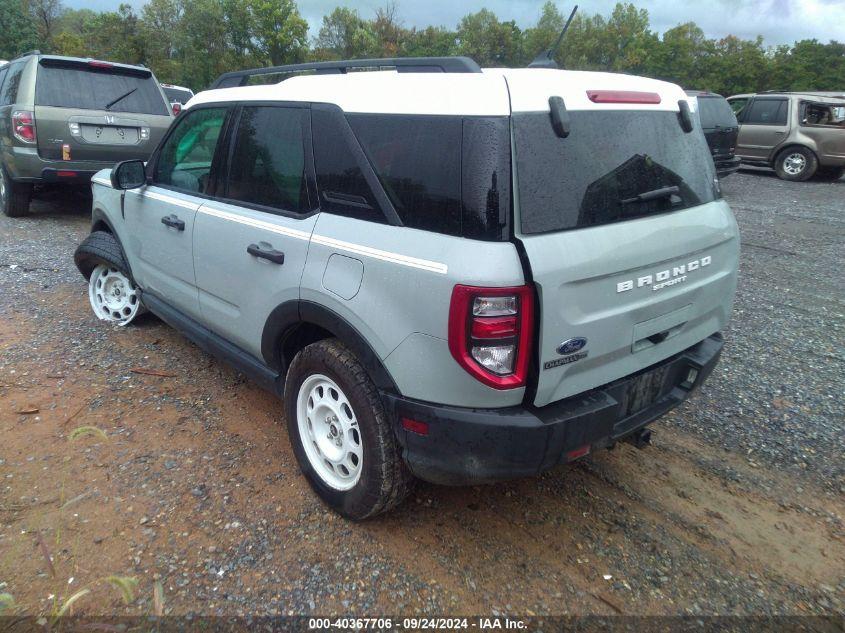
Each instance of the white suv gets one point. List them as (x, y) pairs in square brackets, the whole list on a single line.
[(452, 274)]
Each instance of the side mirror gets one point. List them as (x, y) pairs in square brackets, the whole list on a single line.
[(129, 174)]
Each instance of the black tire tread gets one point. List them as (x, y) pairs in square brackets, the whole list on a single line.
[(397, 481), (100, 247), (20, 195)]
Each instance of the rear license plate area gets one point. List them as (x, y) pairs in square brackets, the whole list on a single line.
[(642, 391), (109, 134)]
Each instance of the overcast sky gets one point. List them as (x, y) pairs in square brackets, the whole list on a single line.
[(778, 21)]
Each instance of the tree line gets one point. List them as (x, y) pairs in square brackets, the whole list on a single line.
[(191, 42)]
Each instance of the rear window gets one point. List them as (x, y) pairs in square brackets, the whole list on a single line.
[(597, 175), (715, 111), (177, 95), (98, 89)]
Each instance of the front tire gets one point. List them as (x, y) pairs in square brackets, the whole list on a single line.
[(14, 197), (112, 293), (796, 164), (340, 434)]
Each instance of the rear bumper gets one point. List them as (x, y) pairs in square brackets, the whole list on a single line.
[(480, 445), (726, 166), (25, 165)]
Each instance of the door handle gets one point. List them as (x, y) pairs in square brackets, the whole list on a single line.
[(173, 222), (277, 257)]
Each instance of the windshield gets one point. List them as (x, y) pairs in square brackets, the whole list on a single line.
[(178, 95), (83, 89), (599, 173), (715, 112)]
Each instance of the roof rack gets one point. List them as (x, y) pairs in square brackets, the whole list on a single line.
[(810, 93), (401, 64), (28, 53)]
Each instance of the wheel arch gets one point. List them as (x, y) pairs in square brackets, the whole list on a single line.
[(294, 324), (790, 146)]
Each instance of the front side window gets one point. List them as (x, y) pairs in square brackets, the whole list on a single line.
[(738, 104), (185, 159), (766, 112), (268, 161), (418, 162), (614, 166)]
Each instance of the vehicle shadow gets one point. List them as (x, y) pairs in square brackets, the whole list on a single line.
[(60, 202)]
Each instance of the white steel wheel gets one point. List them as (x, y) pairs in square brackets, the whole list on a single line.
[(794, 163), (329, 432), (113, 296)]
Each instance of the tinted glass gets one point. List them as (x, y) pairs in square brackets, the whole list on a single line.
[(594, 176), (95, 89), (715, 111), (177, 95), (766, 112), (3, 70), (9, 90), (185, 159), (825, 114), (343, 188), (418, 161), (486, 178), (268, 161), (738, 104)]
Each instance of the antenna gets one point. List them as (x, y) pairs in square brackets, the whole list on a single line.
[(546, 58)]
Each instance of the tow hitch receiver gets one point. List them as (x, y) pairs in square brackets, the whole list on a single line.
[(639, 438)]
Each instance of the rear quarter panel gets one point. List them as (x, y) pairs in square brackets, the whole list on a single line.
[(402, 305)]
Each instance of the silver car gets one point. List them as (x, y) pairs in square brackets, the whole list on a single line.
[(449, 274)]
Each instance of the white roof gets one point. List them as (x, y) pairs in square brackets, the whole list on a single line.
[(494, 92)]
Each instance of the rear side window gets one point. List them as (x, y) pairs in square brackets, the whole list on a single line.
[(715, 111), (597, 174), (186, 157), (418, 162), (268, 161), (343, 187), (3, 72), (9, 89), (87, 88), (766, 112)]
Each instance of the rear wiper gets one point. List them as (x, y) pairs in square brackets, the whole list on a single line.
[(120, 98), (654, 194)]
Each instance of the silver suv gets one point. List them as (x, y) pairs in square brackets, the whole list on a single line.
[(448, 273)]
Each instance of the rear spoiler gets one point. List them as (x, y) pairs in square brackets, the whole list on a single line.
[(400, 64), (96, 66)]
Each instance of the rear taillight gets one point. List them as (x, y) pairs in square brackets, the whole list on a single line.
[(23, 125), (490, 333), (177, 108)]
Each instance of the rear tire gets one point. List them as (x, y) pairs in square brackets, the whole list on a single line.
[(340, 434), (830, 174), (796, 164), (14, 197)]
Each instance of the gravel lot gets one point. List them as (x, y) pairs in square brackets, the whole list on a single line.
[(736, 508)]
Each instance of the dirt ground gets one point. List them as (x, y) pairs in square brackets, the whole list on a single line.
[(737, 507)]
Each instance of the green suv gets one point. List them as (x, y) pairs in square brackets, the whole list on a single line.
[(62, 119)]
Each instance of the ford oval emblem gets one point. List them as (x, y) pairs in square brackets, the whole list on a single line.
[(572, 345)]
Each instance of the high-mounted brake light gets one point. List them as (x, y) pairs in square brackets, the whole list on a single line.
[(622, 96), (97, 64), (23, 126), (490, 332)]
